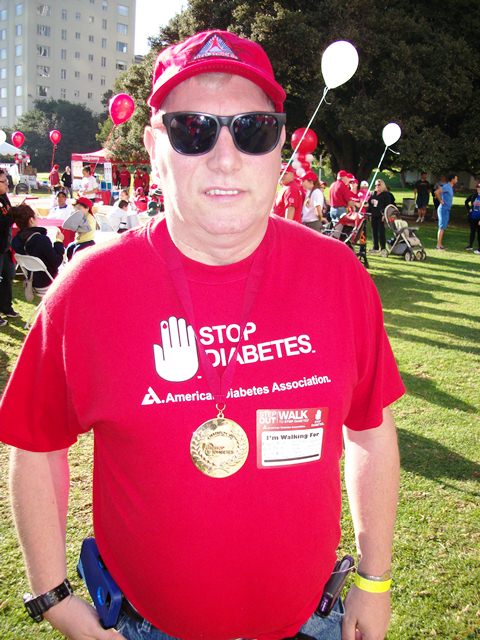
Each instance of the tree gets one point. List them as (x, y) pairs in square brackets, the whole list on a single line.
[(77, 124), (418, 67)]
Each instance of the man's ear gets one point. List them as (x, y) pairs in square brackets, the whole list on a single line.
[(149, 142)]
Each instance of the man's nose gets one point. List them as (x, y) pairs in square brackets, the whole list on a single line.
[(225, 156)]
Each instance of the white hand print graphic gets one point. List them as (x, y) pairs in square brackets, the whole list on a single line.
[(177, 359)]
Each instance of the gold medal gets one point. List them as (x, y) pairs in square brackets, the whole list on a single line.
[(219, 447)]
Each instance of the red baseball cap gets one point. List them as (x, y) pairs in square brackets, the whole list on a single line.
[(343, 174), (85, 202), (288, 169), (218, 52), (310, 175)]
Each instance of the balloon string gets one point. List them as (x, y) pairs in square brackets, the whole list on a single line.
[(325, 91), (373, 179)]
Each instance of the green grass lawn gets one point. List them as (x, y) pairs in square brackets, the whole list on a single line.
[(432, 314)]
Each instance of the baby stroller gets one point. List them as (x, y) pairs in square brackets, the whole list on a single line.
[(350, 229), (404, 242)]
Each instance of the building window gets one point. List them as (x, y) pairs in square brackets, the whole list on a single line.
[(122, 28), (104, 5), (42, 71), (91, 19), (63, 74), (103, 81), (63, 54), (3, 92), (3, 54), (77, 35), (19, 9), (18, 90), (121, 65), (18, 110), (122, 47), (90, 95), (3, 112), (122, 10), (3, 34), (18, 50), (90, 57), (64, 34), (43, 30), (78, 15), (63, 94), (64, 14), (76, 93), (44, 10), (91, 38), (18, 70), (77, 74), (3, 14), (77, 55), (104, 43), (3, 73), (43, 51), (90, 76), (103, 62), (43, 91), (104, 23), (18, 30)]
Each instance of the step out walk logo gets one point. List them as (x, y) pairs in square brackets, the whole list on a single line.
[(176, 358)]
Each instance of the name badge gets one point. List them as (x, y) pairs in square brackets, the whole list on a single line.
[(289, 436)]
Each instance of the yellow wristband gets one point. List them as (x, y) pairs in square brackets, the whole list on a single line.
[(372, 586)]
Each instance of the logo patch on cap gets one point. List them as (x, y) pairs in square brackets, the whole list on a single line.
[(215, 47)]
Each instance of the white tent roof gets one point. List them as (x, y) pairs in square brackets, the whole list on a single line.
[(7, 149)]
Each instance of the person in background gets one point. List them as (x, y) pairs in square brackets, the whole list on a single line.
[(54, 179), (421, 191), (137, 180), (89, 186), (472, 204), (32, 240), (125, 177), (145, 180), (83, 239), (67, 180), (363, 196), (62, 209), (444, 195), (289, 200), (7, 266), (140, 201), (312, 212), (341, 196), (123, 195), (435, 190), (215, 516), (381, 197), (117, 217)]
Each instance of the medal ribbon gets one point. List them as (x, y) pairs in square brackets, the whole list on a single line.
[(219, 384)]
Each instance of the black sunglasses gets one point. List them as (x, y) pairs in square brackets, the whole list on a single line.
[(192, 133)]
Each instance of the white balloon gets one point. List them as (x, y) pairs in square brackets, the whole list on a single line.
[(296, 164), (3, 136), (391, 133), (301, 172), (309, 157), (339, 63)]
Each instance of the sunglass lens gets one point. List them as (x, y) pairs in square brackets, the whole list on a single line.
[(256, 132), (192, 134)]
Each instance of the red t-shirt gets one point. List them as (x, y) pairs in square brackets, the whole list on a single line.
[(125, 178), (54, 178), (340, 194), (291, 195), (245, 556)]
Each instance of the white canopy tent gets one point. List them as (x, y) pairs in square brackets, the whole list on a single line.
[(7, 149)]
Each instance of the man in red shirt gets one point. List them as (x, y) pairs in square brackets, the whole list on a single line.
[(340, 196), (217, 493), (289, 200), (54, 178), (125, 177)]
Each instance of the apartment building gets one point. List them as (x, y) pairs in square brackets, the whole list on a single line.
[(62, 49)]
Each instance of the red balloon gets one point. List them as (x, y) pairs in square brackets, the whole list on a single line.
[(18, 138), (308, 143), (55, 136), (121, 108)]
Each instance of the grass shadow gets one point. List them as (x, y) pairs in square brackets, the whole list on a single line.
[(426, 389)]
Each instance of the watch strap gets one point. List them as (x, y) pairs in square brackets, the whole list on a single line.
[(37, 606)]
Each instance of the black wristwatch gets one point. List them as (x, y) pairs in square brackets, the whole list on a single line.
[(36, 607)]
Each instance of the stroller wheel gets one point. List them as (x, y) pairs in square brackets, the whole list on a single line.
[(420, 255), (384, 253), (408, 256)]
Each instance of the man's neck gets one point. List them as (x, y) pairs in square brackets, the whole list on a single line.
[(218, 250)]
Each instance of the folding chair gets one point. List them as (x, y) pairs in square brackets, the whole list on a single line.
[(28, 265)]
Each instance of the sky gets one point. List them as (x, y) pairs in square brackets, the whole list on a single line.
[(150, 15)]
